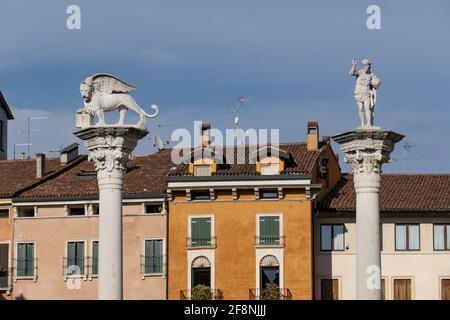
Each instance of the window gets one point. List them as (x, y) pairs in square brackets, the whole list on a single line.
[(4, 213), (445, 289), (95, 210), (153, 258), (76, 211), (269, 230), (94, 258), (269, 168), (200, 195), (25, 212), (268, 194), (75, 258), (441, 237), (153, 208), (202, 170), (332, 237), (200, 232), (25, 260), (407, 237)]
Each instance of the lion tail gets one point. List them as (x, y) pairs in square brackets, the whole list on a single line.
[(155, 108)]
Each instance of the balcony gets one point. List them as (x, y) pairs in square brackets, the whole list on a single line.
[(270, 294), (153, 266), (74, 267), (25, 269), (269, 241), (215, 294), (5, 279), (194, 243)]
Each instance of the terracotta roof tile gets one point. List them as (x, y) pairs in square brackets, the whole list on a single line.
[(301, 162), (399, 192), (145, 176), (16, 175)]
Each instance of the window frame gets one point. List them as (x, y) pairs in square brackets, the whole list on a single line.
[(161, 204), (163, 258), (279, 215), (407, 236), (193, 216), (16, 254), (5, 216), (206, 191), (70, 207), (91, 266), (332, 237), (446, 236), (268, 190), (85, 271), (202, 166), (34, 208)]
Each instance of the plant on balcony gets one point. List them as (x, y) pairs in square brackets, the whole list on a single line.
[(271, 292), (201, 292)]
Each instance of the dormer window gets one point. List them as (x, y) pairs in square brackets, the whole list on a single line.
[(202, 170), (270, 168)]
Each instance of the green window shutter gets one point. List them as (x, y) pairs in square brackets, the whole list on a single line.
[(95, 257), (75, 256), (30, 259), (80, 256), (269, 229), (21, 259), (153, 256), (201, 231)]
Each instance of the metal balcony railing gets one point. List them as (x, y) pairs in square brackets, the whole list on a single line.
[(270, 294), (269, 241), (25, 268), (153, 265), (74, 267), (201, 242), (5, 279), (215, 294)]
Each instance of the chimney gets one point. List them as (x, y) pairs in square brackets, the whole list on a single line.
[(312, 136), (40, 165), (205, 134), (69, 153)]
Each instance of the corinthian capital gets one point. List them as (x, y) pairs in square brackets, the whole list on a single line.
[(110, 148)]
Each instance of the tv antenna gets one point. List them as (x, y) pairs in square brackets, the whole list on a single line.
[(158, 142), (29, 130), (405, 155), (240, 101)]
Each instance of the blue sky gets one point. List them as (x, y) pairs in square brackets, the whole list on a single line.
[(193, 58)]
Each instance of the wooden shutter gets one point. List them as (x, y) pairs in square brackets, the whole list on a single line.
[(402, 289), (329, 289), (4, 250), (445, 287), (201, 231), (269, 230), (383, 289), (95, 257)]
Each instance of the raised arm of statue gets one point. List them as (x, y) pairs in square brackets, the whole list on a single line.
[(353, 71)]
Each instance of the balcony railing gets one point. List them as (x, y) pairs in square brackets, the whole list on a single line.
[(201, 243), (5, 279), (275, 241), (25, 268), (153, 265), (215, 294), (262, 294), (74, 267)]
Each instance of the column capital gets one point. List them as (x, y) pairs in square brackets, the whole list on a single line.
[(110, 149)]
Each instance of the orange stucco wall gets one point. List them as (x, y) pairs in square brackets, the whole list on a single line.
[(235, 254)]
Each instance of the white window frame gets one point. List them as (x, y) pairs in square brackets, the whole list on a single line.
[(85, 275), (163, 274), (34, 276), (18, 208)]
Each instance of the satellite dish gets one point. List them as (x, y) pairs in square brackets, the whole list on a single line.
[(157, 142)]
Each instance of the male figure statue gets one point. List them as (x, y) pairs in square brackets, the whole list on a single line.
[(365, 92)]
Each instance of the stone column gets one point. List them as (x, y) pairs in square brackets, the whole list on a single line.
[(366, 150), (110, 148)]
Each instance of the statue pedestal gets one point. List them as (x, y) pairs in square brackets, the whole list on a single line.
[(109, 149), (366, 151)]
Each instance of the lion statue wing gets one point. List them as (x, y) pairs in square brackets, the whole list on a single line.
[(106, 83)]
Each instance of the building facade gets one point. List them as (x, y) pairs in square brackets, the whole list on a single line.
[(243, 223), (5, 116), (415, 233)]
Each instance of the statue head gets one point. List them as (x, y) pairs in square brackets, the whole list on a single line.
[(366, 64), (86, 91)]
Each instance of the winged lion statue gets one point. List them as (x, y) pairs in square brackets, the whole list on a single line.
[(103, 92)]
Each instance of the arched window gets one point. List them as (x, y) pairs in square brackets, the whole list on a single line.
[(269, 271), (201, 272)]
